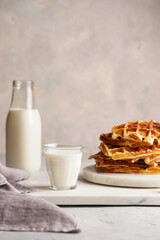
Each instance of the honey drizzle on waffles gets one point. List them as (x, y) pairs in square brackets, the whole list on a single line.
[(133, 147)]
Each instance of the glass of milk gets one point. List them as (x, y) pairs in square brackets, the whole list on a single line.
[(63, 164)]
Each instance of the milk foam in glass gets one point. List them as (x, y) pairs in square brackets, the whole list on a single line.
[(63, 164), (23, 129)]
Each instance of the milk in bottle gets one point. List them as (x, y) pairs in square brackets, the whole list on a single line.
[(23, 129)]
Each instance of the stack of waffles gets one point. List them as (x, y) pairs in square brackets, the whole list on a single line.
[(133, 147)]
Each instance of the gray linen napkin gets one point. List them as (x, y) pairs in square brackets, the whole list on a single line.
[(9, 178), (20, 212), (13, 174)]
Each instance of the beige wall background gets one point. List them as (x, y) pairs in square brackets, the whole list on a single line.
[(95, 63)]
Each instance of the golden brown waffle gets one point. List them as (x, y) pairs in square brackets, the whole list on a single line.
[(98, 156), (139, 131), (102, 160), (135, 170), (119, 141), (152, 160), (133, 147), (128, 153), (105, 163), (147, 165)]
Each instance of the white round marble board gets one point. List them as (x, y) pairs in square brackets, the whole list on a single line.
[(92, 174)]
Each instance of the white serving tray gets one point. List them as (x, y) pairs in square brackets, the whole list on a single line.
[(97, 175), (88, 193)]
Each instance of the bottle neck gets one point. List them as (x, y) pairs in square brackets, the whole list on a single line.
[(22, 95)]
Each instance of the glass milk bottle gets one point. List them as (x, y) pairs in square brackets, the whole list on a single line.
[(23, 129)]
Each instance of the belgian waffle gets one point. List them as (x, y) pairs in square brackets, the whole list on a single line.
[(120, 141), (128, 153), (136, 170), (106, 163), (139, 131), (102, 161), (133, 147)]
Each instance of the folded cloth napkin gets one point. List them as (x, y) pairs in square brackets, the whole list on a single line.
[(20, 212), (13, 174), (9, 178)]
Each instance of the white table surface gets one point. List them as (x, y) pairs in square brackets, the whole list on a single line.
[(103, 222), (89, 193)]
